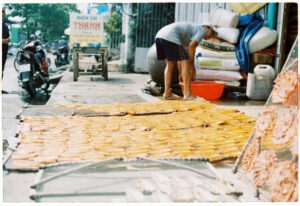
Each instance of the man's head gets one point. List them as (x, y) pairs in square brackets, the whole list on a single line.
[(209, 31)]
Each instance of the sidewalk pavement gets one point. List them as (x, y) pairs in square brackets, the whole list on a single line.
[(120, 87), (92, 89)]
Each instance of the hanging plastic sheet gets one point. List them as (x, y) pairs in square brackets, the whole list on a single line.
[(246, 8)]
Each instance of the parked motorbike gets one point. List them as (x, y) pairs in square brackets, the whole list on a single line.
[(32, 66), (61, 56)]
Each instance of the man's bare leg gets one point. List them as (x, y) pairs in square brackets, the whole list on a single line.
[(168, 78), (179, 73), (186, 75)]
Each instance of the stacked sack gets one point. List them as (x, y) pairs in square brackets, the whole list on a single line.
[(215, 58)]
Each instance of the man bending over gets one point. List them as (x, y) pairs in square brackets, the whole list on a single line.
[(176, 43)]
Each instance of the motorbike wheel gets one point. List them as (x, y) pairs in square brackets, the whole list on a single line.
[(56, 63), (45, 86), (29, 86), (49, 62), (16, 65)]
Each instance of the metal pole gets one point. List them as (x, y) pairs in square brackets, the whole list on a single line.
[(239, 159), (176, 165), (66, 172), (41, 195)]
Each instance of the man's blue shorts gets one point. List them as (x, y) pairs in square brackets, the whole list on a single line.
[(169, 50)]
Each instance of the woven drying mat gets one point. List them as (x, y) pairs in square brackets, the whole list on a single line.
[(201, 131), (161, 107)]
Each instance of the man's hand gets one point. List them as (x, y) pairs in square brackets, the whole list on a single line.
[(6, 41)]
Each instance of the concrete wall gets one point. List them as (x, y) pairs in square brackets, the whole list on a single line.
[(141, 59), (199, 12), (196, 12)]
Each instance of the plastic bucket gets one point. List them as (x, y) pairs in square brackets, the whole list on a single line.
[(209, 90)]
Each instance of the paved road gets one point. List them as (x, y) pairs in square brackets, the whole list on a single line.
[(120, 87), (12, 104)]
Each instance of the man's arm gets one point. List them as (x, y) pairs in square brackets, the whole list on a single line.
[(192, 48), (5, 41)]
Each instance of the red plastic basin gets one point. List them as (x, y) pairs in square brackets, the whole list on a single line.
[(209, 90)]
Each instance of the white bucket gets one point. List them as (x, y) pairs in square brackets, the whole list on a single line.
[(260, 83), (223, 18)]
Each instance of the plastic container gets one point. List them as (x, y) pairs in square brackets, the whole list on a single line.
[(260, 83), (209, 90)]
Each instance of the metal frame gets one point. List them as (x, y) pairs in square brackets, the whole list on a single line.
[(260, 192), (102, 52), (38, 181)]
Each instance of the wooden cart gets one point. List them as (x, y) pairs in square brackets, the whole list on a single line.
[(100, 67)]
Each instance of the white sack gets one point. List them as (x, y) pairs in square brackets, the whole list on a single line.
[(263, 38), (223, 18), (228, 34), (217, 63), (202, 52), (206, 74)]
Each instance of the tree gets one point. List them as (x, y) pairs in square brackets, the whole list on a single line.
[(113, 25), (50, 19)]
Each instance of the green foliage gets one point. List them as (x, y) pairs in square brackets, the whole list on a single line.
[(51, 19), (113, 26), (113, 23)]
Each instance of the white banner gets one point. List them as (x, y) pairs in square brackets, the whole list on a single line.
[(86, 29)]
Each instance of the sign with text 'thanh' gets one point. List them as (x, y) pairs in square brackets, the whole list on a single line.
[(86, 29)]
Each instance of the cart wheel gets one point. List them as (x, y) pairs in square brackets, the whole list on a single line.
[(94, 69), (75, 67), (75, 78), (104, 65), (75, 75), (104, 74), (106, 78)]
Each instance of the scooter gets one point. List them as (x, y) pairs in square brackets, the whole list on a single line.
[(32, 67), (61, 56)]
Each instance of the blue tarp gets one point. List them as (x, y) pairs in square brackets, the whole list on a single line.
[(248, 25)]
